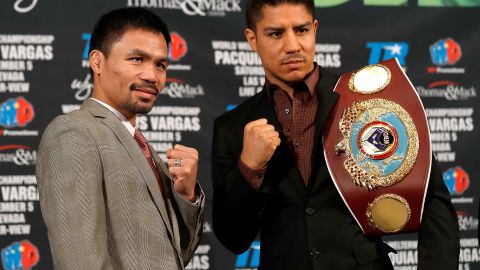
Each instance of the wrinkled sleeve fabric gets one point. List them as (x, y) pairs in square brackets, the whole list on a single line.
[(70, 181), (190, 222)]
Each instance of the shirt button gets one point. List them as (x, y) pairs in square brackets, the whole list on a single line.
[(287, 110), (260, 212), (310, 211), (286, 129), (297, 144), (314, 253)]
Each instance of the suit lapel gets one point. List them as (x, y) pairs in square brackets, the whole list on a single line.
[(326, 100), (138, 158), (263, 108)]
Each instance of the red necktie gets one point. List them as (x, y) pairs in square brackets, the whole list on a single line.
[(142, 142)]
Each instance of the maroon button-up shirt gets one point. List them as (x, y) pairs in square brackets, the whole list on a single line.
[(297, 118)]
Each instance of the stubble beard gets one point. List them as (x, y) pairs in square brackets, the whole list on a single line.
[(138, 107)]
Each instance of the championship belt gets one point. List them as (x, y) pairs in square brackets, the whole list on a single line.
[(377, 148)]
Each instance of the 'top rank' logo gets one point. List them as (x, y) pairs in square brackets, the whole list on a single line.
[(380, 51), (16, 112), (456, 180), (20, 256)]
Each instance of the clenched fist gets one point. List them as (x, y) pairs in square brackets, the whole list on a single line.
[(183, 166), (260, 140)]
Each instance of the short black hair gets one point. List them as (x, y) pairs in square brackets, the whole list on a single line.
[(254, 8), (112, 25)]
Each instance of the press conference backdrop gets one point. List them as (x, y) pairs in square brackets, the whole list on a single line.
[(44, 72)]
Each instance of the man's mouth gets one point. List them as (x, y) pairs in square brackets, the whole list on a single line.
[(147, 91), (293, 63)]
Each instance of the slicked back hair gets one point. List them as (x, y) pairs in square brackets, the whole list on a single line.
[(254, 9)]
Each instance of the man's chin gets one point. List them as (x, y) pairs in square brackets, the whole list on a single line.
[(295, 76), (141, 107), (144, 109)]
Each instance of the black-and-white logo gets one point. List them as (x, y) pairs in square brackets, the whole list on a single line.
[(217, 8), (83, 87), (18, 154), (21, 7), (180, 89)]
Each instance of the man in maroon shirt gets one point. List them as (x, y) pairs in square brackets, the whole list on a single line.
[(269, 172)]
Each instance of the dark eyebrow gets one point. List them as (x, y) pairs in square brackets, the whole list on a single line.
[(303, 25), (147, 55), (280, 29), (273, 29), (139, 52)]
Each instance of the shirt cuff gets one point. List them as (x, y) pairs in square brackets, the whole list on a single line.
[(197, 201), (253, 177), (198, 196)]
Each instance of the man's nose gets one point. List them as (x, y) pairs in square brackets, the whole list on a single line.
[(149, 73), (291, 42)]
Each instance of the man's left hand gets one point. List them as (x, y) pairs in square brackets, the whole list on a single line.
[(183, 166)]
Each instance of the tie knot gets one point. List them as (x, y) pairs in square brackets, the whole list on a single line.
[(138, 136)]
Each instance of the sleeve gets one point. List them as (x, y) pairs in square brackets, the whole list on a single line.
[(438, 239), (237, 206), (69, 176), (253, 177), (191, 222)]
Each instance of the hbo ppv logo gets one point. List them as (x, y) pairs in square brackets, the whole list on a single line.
[(250, 258)]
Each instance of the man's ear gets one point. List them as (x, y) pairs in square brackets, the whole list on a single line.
[(251, 38), (96, 60)]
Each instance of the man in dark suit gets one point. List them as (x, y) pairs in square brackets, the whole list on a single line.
[(269, 172), (107, 198)]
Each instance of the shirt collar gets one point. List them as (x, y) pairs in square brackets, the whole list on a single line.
[(119, 115), (309, 82)]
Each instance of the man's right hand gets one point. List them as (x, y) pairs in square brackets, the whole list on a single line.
[(259, 143)]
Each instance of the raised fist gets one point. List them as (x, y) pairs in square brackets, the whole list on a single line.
[(260, 140)]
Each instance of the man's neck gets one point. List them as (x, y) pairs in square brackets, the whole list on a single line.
[(288, 87), (131, 119)]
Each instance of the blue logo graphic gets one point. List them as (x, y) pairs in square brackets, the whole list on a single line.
[(380, 51), (231, 107), (16, 112), (368, 163), (86, 37), (250, 258), (20, 256), (456, 180), (445, 52)]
